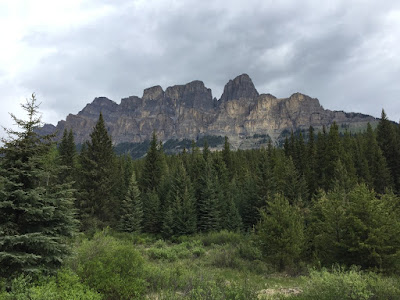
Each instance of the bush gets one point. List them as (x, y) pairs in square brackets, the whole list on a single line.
[(175, 251), (221, 238), (249, 251), (225, 257), (351, 284), (65, 285), (112, 267)]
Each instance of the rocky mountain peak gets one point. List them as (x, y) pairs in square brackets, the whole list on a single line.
[(188, 111), (99, 104), (240, 87), (193, 94), (153, 93)]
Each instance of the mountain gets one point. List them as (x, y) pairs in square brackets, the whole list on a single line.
[(190, 112)]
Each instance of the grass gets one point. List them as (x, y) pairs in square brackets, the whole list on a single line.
[(222, 265)]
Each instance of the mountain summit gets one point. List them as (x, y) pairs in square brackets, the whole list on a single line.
[(190, 112)]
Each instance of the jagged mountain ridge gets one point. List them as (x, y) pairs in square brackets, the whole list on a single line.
[(189, 111)]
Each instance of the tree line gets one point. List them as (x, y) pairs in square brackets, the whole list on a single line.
[(327, 198)]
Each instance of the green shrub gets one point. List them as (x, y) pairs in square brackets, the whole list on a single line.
[(249, 251), (171, 253), (221, 238), (351, 284), (223, 257), (162, 253), (387, 288), (110, 266), (65, 285)]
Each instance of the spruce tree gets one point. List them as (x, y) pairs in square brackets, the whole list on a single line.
[(249, 200), (180, 201), (67, 152), (310, 172), (154, 166), (227, 157), (280, 232), (131, 209), (387, 140), (97, 203), (36, 212), (152, 214), (208, 214), (377, 166)]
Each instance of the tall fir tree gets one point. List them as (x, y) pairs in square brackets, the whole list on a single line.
[(280, 232), (208, 214), (387, 141), (378, 170), (154, 166), (310, 172), (36, 212), (180, 202), (97, 203), (131, 214), (152, 213), (227, 158), (67, 152)]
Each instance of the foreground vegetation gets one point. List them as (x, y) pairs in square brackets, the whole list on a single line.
[(219, 265), (318, 219)]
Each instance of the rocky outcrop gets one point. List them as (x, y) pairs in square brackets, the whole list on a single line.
[(189, 111), (241, 87)]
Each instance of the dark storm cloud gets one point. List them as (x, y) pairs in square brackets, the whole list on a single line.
[(319, 49)]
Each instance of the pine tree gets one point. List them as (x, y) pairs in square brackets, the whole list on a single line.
[(322, 160), (206, 151), (230, 217), (152, 214), (387, 141), (227, 157), (67, 152), (154, 166), (356, 228), (280, 232), (310, 172), (377, 166), (36, 212), (249, 200), (180, 201), (208, 214), (97, 203), (132, 209)]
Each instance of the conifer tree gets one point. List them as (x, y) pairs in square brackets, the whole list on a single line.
[(280, 232), (230, 217), (154, 166), (356, 227), (322, 159), (387, 141), (36, 212), (310, 172), (208, 214), (132, 209), (67, 151), (97, 203), (227, 157), (206, 151), (377, 166), (181, 203), (152, 214), (249, 200)]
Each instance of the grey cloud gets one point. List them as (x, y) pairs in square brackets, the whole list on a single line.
[(308, 47)]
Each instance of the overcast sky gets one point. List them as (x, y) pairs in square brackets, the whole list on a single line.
[(345, 53)]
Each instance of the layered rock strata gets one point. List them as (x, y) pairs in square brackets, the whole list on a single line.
[(189, 111)]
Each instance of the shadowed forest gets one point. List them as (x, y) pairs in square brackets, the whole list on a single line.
[(318, 218)]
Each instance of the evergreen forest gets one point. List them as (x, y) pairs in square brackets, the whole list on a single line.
[(318, 218)]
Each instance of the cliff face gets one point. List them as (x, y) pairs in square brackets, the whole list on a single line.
[(189, 111)]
